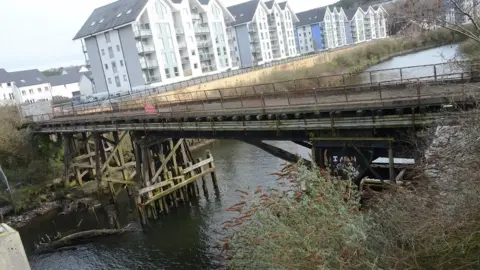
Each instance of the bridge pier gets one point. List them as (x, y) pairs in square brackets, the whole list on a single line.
[(161, 174)]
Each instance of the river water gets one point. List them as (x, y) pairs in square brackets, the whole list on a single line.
[(188, 237)]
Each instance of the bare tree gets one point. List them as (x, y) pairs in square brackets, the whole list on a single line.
[(459, 16)]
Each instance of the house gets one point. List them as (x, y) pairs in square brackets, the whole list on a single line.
[(30, 86), (7, 86), (68, 85), (262, 32), (130, 44)]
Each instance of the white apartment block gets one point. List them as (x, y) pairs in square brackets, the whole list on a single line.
[(262, 32), (26, 86), (327, 28), (130, 44)]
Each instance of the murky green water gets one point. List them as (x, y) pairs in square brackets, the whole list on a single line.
[(188, 237)]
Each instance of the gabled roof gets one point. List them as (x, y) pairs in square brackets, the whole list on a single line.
[(244, 12), (204, 2), (65, 79), (28, 77), (269, 4), (282, 4), (107, 17), (5, 77), (311, 16)]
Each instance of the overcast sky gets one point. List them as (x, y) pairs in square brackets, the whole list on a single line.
[(38, 34)]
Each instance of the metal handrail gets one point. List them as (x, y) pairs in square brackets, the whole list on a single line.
[(172, 103)]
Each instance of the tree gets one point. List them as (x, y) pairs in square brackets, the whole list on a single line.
[(459, 16)]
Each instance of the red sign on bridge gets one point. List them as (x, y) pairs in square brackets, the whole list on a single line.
[(149, 108)]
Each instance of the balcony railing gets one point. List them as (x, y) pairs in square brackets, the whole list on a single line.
[(179, 31), (202, 44), (185, 59), (182, 45), (201, 30), (147, 64), (141, 31), (206, 56), (145, 48), (187, 72), (208, 69)]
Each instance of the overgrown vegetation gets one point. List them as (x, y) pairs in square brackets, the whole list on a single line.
[(470, 49), (429, 223), (27, 160)]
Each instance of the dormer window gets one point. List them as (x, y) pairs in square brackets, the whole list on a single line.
[(23, 81), (38, 79), (100, 21), (129, 11), (119, 14), (93, 23)]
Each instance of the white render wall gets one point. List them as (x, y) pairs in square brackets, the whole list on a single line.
[(32, 93), (290, 47), (7, 93), (65, 90), (217, 27), (263, 32)]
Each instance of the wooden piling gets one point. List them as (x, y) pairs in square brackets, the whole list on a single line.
[(212, 173), (204, 183)]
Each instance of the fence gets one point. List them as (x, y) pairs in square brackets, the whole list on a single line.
[(371, 86)]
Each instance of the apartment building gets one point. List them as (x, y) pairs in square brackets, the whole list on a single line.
[(30, 86), (130, 44), (320, 29), (262, 32), (328, 28)]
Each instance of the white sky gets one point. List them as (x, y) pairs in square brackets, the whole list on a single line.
[(38, 33)]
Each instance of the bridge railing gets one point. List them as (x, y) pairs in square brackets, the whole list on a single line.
[(307, 91)]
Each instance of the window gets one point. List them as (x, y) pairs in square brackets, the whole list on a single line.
[(10, 95), (46, 88), (110, 52), (235, 48), (117, 81), (129, 11), (109, 81), (39, 90), (193, 52), (30, 91), (118, 48), (9, 84), (218, 51), (106, 66), (167, 73), (103, 51), (175, 71), (23, 92), (114, 67), (125, 78), (261, 34), (121, 63), (195, 65), (107, 37)]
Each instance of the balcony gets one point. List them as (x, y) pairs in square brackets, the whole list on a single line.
[(274, 37), (275, 47), (206, 56), (182, 45), (201, 30), (140, 30), (185, 59), (208, 69), (142, 48), (254, 38), (179, 31), (147, 64), (196, 17), (203, 44)]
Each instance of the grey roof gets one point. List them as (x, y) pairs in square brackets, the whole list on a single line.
[(282, 4), (244, 12), (28, 77), (311, 16), (269, 4), (177, 1), (65, 79), (350, 13), (5, 76), (109, 15), (204, 2)]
